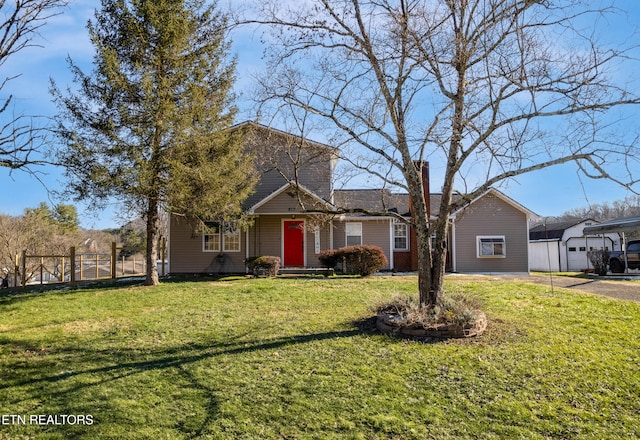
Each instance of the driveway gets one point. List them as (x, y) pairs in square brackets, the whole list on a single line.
[(614, 288)]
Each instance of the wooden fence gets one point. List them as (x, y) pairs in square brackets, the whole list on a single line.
[(75, 267)]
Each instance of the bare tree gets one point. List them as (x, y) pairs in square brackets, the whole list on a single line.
[(627, 207), (485, 89), (20, 135), (39, 231)]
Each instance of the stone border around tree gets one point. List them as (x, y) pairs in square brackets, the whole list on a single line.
[(391, 324)]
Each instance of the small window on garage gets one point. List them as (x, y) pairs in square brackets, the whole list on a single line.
[(583, 249), (491, 247), (572, 249)]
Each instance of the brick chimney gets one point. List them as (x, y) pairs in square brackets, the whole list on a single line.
[(423, 167)]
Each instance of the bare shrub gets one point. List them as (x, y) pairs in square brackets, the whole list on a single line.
[(456, 308), (600, 260)]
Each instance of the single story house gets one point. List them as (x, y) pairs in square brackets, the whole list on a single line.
[(296, 213)]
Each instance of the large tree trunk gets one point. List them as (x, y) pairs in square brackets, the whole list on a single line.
[(153, 231), (428, 295), (441, 227), (439, 255), (420, 213)]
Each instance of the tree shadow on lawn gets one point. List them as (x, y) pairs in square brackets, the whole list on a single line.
[(20, 294), (15, 295), (62, 389), (173, 357)]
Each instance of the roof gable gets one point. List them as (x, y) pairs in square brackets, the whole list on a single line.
[(530, 214), (252, 125), (283, 189)]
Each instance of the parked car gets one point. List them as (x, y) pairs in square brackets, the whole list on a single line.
[(616, 258)]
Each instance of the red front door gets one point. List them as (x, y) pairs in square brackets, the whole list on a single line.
[(293, 243)]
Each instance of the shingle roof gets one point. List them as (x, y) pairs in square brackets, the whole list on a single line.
[(373, 200), (552, 230), (380, 200)]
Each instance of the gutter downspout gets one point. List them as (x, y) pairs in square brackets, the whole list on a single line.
[(454, 259), (392, 244), (246, 251)]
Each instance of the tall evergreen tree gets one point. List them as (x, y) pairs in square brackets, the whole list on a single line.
[(150, 125)]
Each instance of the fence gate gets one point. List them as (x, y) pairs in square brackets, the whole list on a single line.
[(76, 267)]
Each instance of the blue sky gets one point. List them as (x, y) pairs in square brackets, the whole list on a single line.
[(547, 192)]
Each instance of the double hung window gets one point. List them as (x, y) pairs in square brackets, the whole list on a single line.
[(400, 236), (354, 234), (217, 236)]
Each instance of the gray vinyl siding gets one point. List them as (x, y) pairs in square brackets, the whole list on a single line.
[(375, 232), (310, 244), (491, 216), (273, 152), (265, 238), (273, 158), (187, 257)]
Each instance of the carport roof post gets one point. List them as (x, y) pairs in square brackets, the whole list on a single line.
[(622, 226)]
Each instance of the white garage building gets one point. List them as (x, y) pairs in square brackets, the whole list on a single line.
[(560, 246)]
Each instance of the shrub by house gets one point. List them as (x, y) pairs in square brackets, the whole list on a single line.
[(361, 260)]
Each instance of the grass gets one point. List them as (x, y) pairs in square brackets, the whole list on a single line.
[(285, 358)]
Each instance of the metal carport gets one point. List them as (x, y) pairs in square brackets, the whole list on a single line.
[(623, 226)]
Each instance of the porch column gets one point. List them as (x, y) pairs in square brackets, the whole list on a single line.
[(246, 249)]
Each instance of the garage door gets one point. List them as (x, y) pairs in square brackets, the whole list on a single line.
[(577, 257)]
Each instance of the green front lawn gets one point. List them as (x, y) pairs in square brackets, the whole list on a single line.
[(291, 358)]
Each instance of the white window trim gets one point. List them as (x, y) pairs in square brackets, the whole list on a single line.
[(205, 234), (225, 233), (346, 236), (479, 246), (406, 236), (220, 248)]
